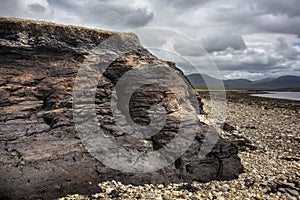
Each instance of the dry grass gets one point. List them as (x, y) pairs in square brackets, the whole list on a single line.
[(48, 29)]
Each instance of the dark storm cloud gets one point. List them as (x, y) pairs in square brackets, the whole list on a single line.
[(218, 42), (272, 16), (222, 42), (180, 4), (122, 16), (116, 14), (279, 7), (36, 8), (278, 24), (138, 18)]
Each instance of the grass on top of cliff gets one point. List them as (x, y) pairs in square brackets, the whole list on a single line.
[(48, 29)]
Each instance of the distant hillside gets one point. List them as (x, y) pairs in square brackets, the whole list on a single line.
[(283, 82)]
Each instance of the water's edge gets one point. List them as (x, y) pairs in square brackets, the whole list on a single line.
[(295, 96)]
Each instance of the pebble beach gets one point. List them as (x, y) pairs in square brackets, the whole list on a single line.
[(267, 132)]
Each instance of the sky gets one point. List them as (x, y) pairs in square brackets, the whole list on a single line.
[(245, 39)]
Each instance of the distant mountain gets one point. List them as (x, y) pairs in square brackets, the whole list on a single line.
[(203, 80), (280, 83)]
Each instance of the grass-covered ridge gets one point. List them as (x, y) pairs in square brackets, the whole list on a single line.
[(10, 26)]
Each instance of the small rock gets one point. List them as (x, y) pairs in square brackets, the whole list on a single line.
[(149, 194), (292, 192), (220, 198), (210, 196), (114, 182), (114, 194), (224, 188), (264, 184), (165, 197), (248, 182), (183, 195), (290, 185), (22, 162), (188, 187), (282, 190)]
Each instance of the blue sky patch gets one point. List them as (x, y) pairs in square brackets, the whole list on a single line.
[(296, 44)]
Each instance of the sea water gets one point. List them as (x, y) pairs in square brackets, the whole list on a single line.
[(280, 95)]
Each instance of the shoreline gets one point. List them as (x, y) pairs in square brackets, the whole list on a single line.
[(279, 95), (244, 96)]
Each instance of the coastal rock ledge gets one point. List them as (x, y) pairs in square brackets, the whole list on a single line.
[(41, 154)]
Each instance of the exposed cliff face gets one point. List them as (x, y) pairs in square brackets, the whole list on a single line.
[(41, 154)]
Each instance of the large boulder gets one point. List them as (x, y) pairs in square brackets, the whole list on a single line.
[(48, 150)]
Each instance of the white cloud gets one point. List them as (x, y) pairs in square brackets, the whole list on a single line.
[(32, 9), (242, 74)]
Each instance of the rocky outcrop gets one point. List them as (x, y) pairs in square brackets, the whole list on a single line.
[(42, 153)]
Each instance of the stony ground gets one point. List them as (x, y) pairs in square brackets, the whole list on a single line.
[(268, 134)]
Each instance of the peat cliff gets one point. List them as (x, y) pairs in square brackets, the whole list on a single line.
[(44, 155)]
